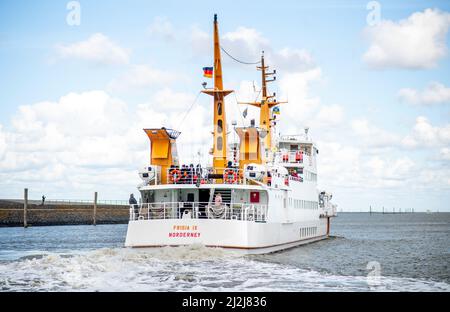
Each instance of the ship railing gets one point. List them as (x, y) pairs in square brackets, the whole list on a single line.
[(293, 158), (294, 137), (198, 210), (204, 175)]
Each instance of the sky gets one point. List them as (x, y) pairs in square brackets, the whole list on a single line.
[(81, 79)]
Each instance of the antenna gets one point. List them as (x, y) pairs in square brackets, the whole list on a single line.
[(266, 103)]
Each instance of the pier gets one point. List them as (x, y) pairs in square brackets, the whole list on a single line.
[(26, 212)]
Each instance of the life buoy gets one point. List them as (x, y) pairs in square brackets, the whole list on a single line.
[(299, 156), (285, 157), (230, 176), (175, 175)]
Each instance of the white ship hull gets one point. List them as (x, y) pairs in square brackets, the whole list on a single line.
[(243, 236), (284, 217)]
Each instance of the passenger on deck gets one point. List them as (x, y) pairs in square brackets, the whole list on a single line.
[(183, 174), (191, 174), (198, 170), (218, 200)]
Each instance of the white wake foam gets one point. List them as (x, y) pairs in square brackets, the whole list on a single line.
[(194, 268)]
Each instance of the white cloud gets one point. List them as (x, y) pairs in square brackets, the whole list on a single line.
[(295, 88), (142, 76), (289, 59), (415, 43), (338, 165), (246, 44), (98, 49), (391, 169), (434, 93), (373, 136), (445, 154), (2, 143), (91, 141), (343, 166), (76, 114), (162, 27), (424, 134), (328, 116), (200, 41), (51, 139)]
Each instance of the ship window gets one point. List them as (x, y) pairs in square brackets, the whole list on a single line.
[(145, 175), (219, 108), (219, 143), (219, 126)]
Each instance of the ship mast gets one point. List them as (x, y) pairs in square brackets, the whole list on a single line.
[(266, 104), (220, 122)]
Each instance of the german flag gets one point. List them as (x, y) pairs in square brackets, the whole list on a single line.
[(208, 72)]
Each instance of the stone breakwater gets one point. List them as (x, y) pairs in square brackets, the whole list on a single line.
[(11, 214)]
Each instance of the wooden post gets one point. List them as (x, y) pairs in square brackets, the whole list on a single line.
[(25, 207), (95, 208)]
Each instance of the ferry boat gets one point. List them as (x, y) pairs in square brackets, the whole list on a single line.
[(259, 195)]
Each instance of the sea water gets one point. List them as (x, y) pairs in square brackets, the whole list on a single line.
[(391, 252)]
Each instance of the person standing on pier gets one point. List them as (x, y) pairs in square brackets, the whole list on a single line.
[(43, 200)]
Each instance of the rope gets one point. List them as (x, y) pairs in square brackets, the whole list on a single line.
[(242, 62), (189, 110), (239, 109)]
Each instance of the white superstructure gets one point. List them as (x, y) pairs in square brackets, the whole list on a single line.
[(263, 199)]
